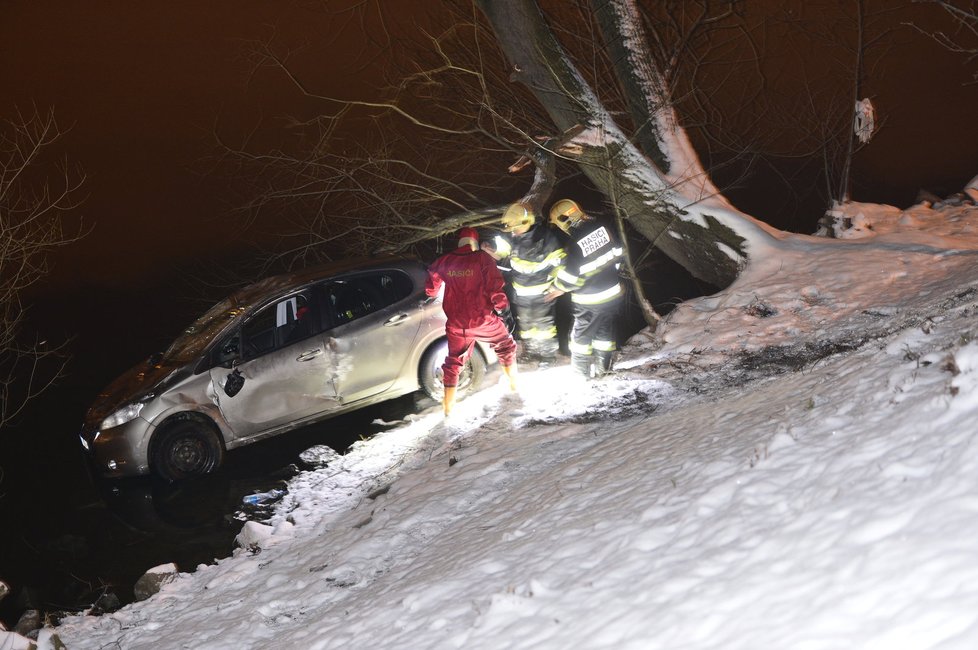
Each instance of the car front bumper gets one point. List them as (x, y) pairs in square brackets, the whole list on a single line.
[(120, 451)]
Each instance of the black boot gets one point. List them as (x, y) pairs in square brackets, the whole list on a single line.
[(602, 362)]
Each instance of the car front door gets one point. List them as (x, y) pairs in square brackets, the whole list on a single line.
[(286, 366)]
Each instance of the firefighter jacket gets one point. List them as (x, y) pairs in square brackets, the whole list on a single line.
[(590, 273), (473, 287), (534, 257)]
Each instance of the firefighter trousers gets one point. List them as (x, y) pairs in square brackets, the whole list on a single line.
[(461, 341), (592, 341), (537, 326)]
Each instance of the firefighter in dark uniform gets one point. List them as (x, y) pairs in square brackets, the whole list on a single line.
[(535, 253), (590, 275)]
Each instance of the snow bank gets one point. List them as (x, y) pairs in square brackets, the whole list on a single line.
[(826, 507)]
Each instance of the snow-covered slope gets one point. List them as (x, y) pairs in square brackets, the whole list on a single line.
[(712, 495)]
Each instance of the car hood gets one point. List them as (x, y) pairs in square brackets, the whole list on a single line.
[(136, 383)]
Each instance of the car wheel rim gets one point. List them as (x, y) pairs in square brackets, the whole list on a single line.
[(188, 454), (464, 377)]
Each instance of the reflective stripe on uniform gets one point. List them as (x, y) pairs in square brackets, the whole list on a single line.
[(579, 348), (503, 249), (553, 260), (538, 334), (569, 279), (596, 298), (594, 266), (534, 290), (605, 346), (557, 257), (526, 266)]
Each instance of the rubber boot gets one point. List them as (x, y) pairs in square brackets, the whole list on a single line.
[(582, 364), (511, 374), (602, 365), (448, 402)]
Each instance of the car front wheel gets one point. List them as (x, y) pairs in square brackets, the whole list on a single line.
[(186, 449), (430, 373)]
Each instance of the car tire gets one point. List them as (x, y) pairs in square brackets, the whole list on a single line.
[(185, 449), (430, 373)]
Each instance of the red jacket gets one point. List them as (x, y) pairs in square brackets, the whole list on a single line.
[(473, 287)]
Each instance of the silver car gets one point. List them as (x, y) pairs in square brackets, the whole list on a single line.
[(282, 353)]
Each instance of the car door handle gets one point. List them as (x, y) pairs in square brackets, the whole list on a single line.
[(395, 320), (309, 355)]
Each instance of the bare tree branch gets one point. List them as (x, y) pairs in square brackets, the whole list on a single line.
[(964, 18), (32, 210)]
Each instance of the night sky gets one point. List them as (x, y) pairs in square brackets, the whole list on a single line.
[(145, 86)]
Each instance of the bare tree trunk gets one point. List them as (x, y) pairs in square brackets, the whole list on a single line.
[(843, 195)]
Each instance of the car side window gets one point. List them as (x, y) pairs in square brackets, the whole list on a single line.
[(397, 285), (296, 319), (279, 324), (351, 298)]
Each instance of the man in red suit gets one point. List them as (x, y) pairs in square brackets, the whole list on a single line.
[(476, 307)]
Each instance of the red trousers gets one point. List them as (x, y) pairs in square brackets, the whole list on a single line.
[(461, 340)]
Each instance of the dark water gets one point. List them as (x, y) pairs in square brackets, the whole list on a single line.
[(68, 538)]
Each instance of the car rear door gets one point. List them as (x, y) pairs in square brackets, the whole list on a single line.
[(376, 322)]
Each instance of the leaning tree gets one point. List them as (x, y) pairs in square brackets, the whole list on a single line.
[(589, 87), (453, 121), (656, 182)]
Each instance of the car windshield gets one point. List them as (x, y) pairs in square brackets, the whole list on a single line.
[(192, 341), (198, 334)]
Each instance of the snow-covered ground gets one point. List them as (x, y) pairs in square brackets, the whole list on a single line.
[(789, 464)]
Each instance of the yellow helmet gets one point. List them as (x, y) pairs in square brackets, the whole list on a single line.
[(565, 214), (517, 217)]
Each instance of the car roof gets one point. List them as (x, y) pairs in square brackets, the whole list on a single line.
[(215, 320), (259, 291)]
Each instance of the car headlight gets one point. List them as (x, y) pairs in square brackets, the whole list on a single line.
[(125, 414)]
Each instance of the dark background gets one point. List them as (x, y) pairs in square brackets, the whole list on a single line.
[(142, 90)]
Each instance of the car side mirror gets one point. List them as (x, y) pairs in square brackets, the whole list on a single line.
[(233, 383)]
